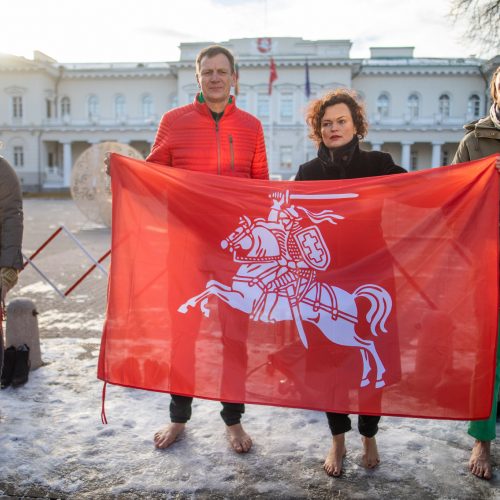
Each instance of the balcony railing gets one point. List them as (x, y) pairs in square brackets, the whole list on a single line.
[(97, 121)]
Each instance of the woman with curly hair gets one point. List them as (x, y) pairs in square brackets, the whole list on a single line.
[(337, 121)]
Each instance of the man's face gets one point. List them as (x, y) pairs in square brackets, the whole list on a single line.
[(215, 79)]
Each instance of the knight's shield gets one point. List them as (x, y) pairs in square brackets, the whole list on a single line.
[(312, 247)]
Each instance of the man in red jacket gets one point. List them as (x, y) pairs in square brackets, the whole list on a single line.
[(211, 135)]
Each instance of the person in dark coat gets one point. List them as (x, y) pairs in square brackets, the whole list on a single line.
[(11, 234), (337, 121)]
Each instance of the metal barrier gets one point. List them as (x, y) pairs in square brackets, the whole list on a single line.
[(96, 263)]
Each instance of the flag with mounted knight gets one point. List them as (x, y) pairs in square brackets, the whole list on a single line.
[(375, 296)]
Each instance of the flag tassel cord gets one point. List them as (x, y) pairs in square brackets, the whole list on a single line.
[(104, 420)]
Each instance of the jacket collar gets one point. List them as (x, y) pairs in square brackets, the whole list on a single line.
[(201, 106), (339, 159), (482, 123)]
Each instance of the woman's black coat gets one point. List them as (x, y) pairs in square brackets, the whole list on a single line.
[(350, 163)]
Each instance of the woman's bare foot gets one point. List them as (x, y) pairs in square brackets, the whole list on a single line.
[(168, 435), (238, 438), (335, 458), (370, 457), (480, 462)]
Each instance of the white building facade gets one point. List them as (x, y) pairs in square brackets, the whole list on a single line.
[(51, 112)]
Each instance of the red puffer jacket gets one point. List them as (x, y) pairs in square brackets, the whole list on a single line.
[(189, 137)]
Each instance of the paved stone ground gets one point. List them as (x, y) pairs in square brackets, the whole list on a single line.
[(422, 460)]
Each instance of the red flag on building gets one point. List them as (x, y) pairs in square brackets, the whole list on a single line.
[(375, 295), (237, 80), (273, 75)]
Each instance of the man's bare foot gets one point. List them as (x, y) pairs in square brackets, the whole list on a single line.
[(238, 438), (335, 458), (370, 457), (480, 463), (168, 435)]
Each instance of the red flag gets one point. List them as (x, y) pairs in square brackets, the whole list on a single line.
[(237, 82), (375, 295), (273, 75)]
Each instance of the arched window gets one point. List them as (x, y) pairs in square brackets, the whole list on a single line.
[(119, 107), (474, 106), (17, 107), (65, 106), (147, 106), (414, 105), (444, 105), (383, 105), (93, 106)]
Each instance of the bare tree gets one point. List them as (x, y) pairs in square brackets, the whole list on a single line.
[(483, 21)]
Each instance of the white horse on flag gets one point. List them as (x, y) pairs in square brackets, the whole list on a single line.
[(277, 281)]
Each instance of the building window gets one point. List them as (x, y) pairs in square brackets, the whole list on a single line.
[(18, 156), (65, 106), (263, 107), (383, 105), (414, 160), (147, 106), (285, 157), (474, 106), (93, 107), (413, 106), (444, 105), (48, 108), (50, 160), (242, 102), (119, 107), (286, 107), (445, 157), (17, 107)]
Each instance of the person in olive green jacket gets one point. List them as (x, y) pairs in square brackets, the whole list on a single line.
[(483, 136), (11, 233), (483, 139)]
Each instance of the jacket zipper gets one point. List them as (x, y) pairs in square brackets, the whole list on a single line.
[(218, 145), (231, 151)]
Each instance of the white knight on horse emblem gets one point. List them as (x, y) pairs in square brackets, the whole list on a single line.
[(277, 279)]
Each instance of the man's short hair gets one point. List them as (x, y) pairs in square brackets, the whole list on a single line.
[(213, 50)]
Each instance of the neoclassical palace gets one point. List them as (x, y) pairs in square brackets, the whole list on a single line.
[(51, 112)]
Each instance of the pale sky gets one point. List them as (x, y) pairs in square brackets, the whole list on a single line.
[(151, 30)]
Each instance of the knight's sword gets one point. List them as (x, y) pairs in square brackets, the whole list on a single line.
[(292, 301), (322, 196)]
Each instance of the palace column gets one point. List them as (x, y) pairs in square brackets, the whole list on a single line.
[(67, 164)]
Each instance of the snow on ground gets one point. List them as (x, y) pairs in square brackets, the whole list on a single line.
[(53, 443)]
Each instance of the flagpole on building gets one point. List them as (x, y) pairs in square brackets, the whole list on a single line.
[(273, 75), (305, 138), (307, 93), (271, 132)]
